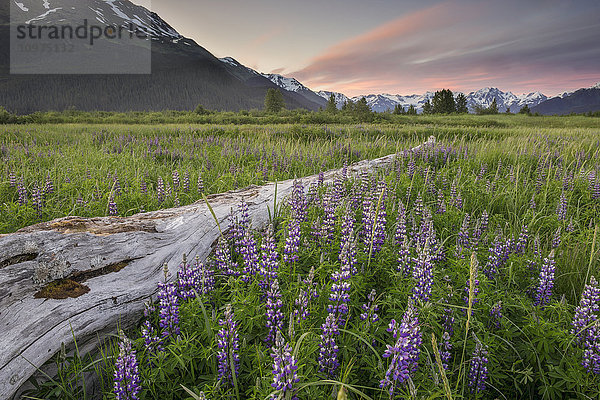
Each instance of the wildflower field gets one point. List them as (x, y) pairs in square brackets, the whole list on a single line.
[(466, 269)]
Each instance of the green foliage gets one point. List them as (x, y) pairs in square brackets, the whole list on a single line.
[(532, 353), (200, 110), (461, 104), (443, 102), (427, 108), (274, 102), (525, 110), (399, 110), (331, 105)]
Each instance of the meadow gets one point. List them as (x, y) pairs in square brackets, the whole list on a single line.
[(465, 270)]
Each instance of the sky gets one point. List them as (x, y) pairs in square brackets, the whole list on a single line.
[(402, 47)]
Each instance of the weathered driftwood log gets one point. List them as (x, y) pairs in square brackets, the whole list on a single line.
[(110, 266)]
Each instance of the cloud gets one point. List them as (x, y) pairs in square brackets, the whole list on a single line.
[(463, 46)]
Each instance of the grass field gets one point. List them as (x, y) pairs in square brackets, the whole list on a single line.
[(482, 245)]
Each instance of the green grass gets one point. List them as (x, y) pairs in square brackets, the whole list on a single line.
[(499, 170)]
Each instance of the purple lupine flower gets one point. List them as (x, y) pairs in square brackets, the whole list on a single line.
[(22, 192), (273, 310), (328, 223), (12, 179), (240, 225), (306, 295), (292, 242), (441, 203), (347, 255), (546, 281), (561, 208), (496, 259), (379, 228), (475, 291), (249, 255), (404, 354), (204, 277), (521, 244), (320, 179), (405, 261), (200, 184), (532, 204), (496, 314), (143, 187), (228, 342), (462, 240), (400, 235), (269, 261), (176, 179), (49, 186), (556, 239), (151, 341), (160, 190), (127, 376), (223, 259), (168, 308), (186, 182), (591, 352), (298, 202), (571, 226), (186, 280), (112, 206), (418, 207), (370, 309), (586, 312), (340, 291), (444, 348), (38, 200), (478, 371), (284, 368), (423, 273), (328, 349), (348, 221)]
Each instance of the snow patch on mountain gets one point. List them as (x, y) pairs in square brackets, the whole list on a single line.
[(340, 98), (44, 15), (290, 84), (21, 6)]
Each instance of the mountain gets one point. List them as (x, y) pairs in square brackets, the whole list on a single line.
[(482, 97), (340, 98), (292, 85), (184, 74), (580, 101)]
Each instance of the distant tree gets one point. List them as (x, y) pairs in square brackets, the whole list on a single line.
[(348, 106), (200, 110), (443, 102), (398, 110), (525, 110), (493, 108), (427, 107), (461, 104), (362, 110), (412, 110), (507, 110), (331, 105), (274, 101)]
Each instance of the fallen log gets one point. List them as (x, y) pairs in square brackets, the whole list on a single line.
[(81, 277)]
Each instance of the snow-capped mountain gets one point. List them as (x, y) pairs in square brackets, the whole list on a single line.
[(340, 98), (504, 100), (183, 73), (290, 84), (578, 101), (119, 12)]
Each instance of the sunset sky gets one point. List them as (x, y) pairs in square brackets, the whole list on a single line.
[(402, 47)]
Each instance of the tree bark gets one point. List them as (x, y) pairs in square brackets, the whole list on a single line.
[(116, 263)]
